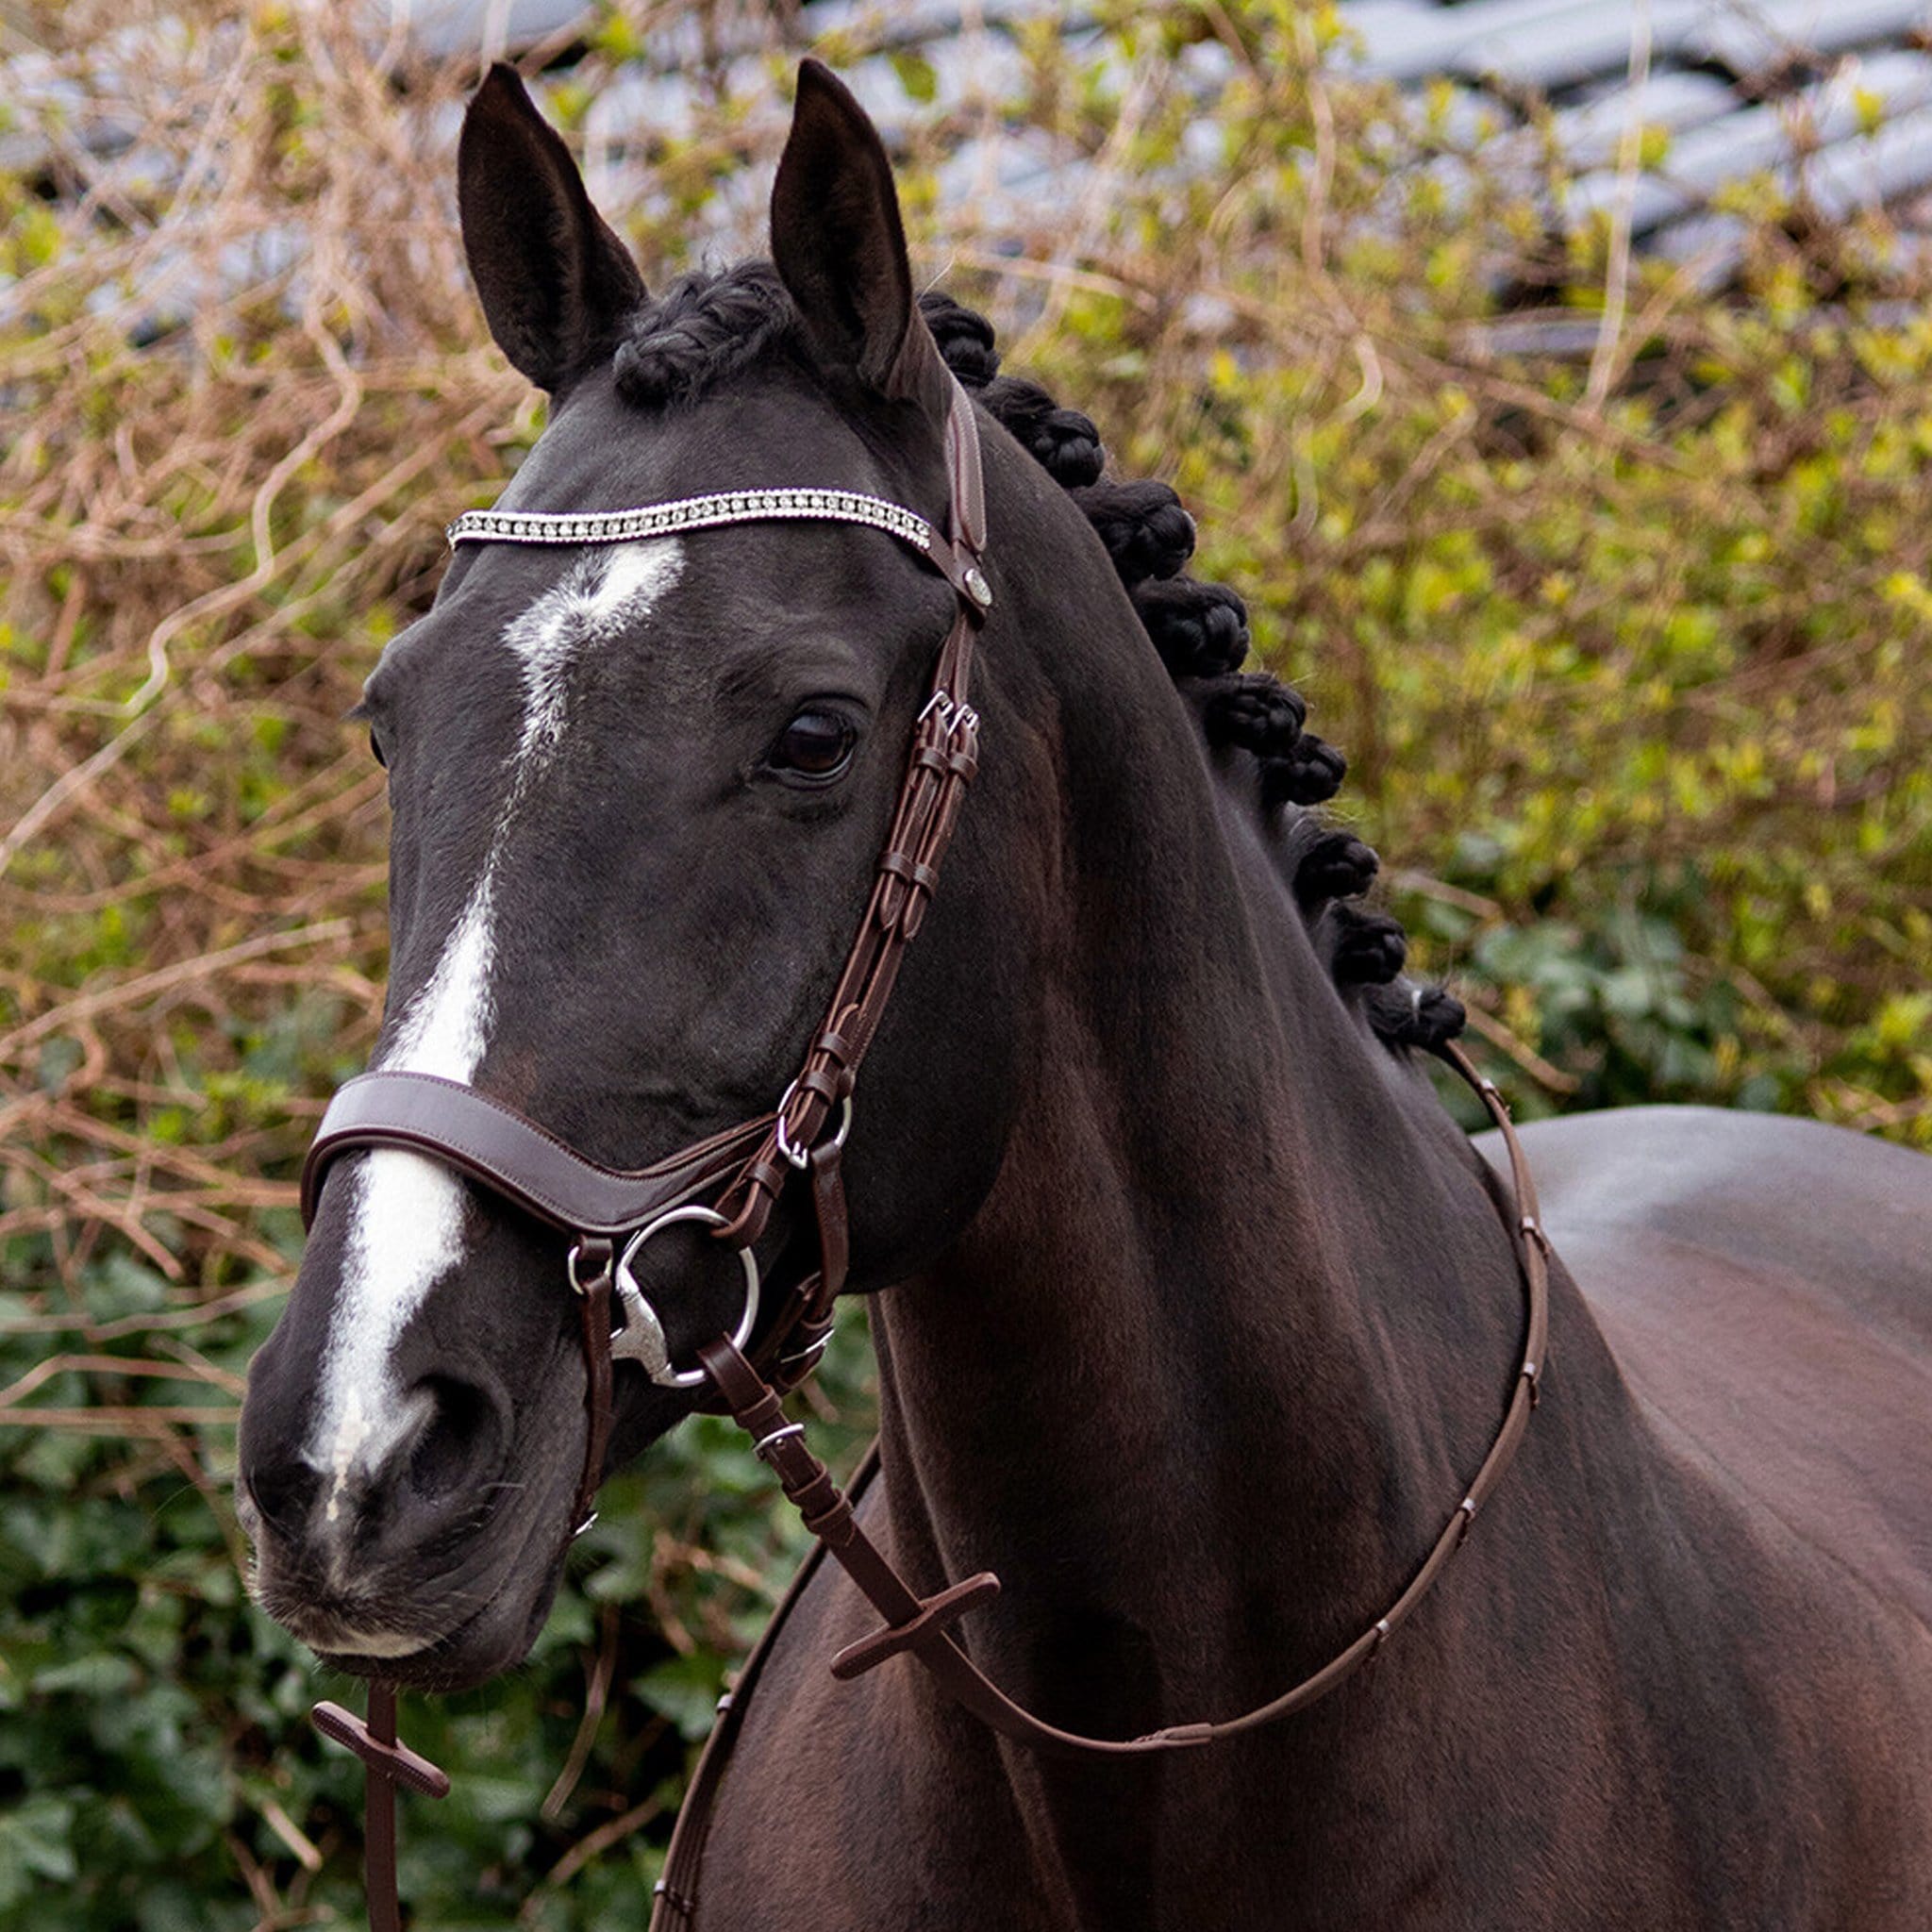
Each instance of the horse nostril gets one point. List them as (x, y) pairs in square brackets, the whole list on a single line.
[(285, 1493), (455, 1442)]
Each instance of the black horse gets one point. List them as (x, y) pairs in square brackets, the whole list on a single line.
[(1194, 1310)]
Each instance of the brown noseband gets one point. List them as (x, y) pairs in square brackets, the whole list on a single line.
[(749, 1166)]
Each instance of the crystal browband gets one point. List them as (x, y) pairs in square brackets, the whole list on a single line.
[(692, 513)]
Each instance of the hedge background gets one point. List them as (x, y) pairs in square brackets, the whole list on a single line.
[(1629, 651)]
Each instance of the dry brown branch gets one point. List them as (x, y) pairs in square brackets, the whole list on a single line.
[(588, 1847), (42, 1373), (1405, 879), (197, 1316), (148, 985), (596, 1691), (1603, 358), (290, 1834), (120, 1421), (1520, 1050)]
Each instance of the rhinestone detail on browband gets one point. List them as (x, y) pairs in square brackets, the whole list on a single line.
[(692, 513)]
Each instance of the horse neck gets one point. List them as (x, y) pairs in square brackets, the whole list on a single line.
[(1204, 1377)]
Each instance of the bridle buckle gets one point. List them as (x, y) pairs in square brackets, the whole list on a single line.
[(588, 1264), (800, 1157)]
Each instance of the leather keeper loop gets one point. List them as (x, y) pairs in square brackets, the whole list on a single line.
[(761, 1417), (744, 1227), (832, 1524), (901, 866), (830, 1087), (834, 1046), (768, 1175)]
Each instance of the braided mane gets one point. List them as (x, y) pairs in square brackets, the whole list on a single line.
[(706, 328)]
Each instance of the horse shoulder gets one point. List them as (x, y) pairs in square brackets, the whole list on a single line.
[(1765, 1284)]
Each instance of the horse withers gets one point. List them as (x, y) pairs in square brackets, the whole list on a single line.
[(1194, 1312)]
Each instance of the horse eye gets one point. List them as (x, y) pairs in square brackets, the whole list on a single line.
[(375, 751), (816, 744)]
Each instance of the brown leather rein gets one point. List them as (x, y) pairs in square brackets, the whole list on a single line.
[(609, 1215)]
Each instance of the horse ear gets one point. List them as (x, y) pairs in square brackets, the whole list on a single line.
[(556, 284), (840, 250)]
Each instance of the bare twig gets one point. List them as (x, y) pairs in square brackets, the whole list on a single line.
[(1602, 362), (1520, 1050), (596, 1689)]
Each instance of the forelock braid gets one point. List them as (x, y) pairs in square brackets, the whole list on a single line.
[(1201, 633), (700, 330)]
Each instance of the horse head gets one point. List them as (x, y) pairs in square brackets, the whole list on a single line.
[(638, 793)]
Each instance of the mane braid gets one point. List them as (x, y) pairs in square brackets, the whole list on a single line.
[(1200, 631), (1337, 866), (1255, 710)]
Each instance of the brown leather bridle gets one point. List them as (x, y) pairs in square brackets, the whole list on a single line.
[(731, 1182)]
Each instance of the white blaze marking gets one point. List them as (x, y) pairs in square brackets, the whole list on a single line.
[(406, 1211)]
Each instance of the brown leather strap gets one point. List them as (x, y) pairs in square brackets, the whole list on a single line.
[(387, 1762), (675, 1897), (835, 1245), (511, 1155), (944, 761), (920, 1626), (591, 1263)]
